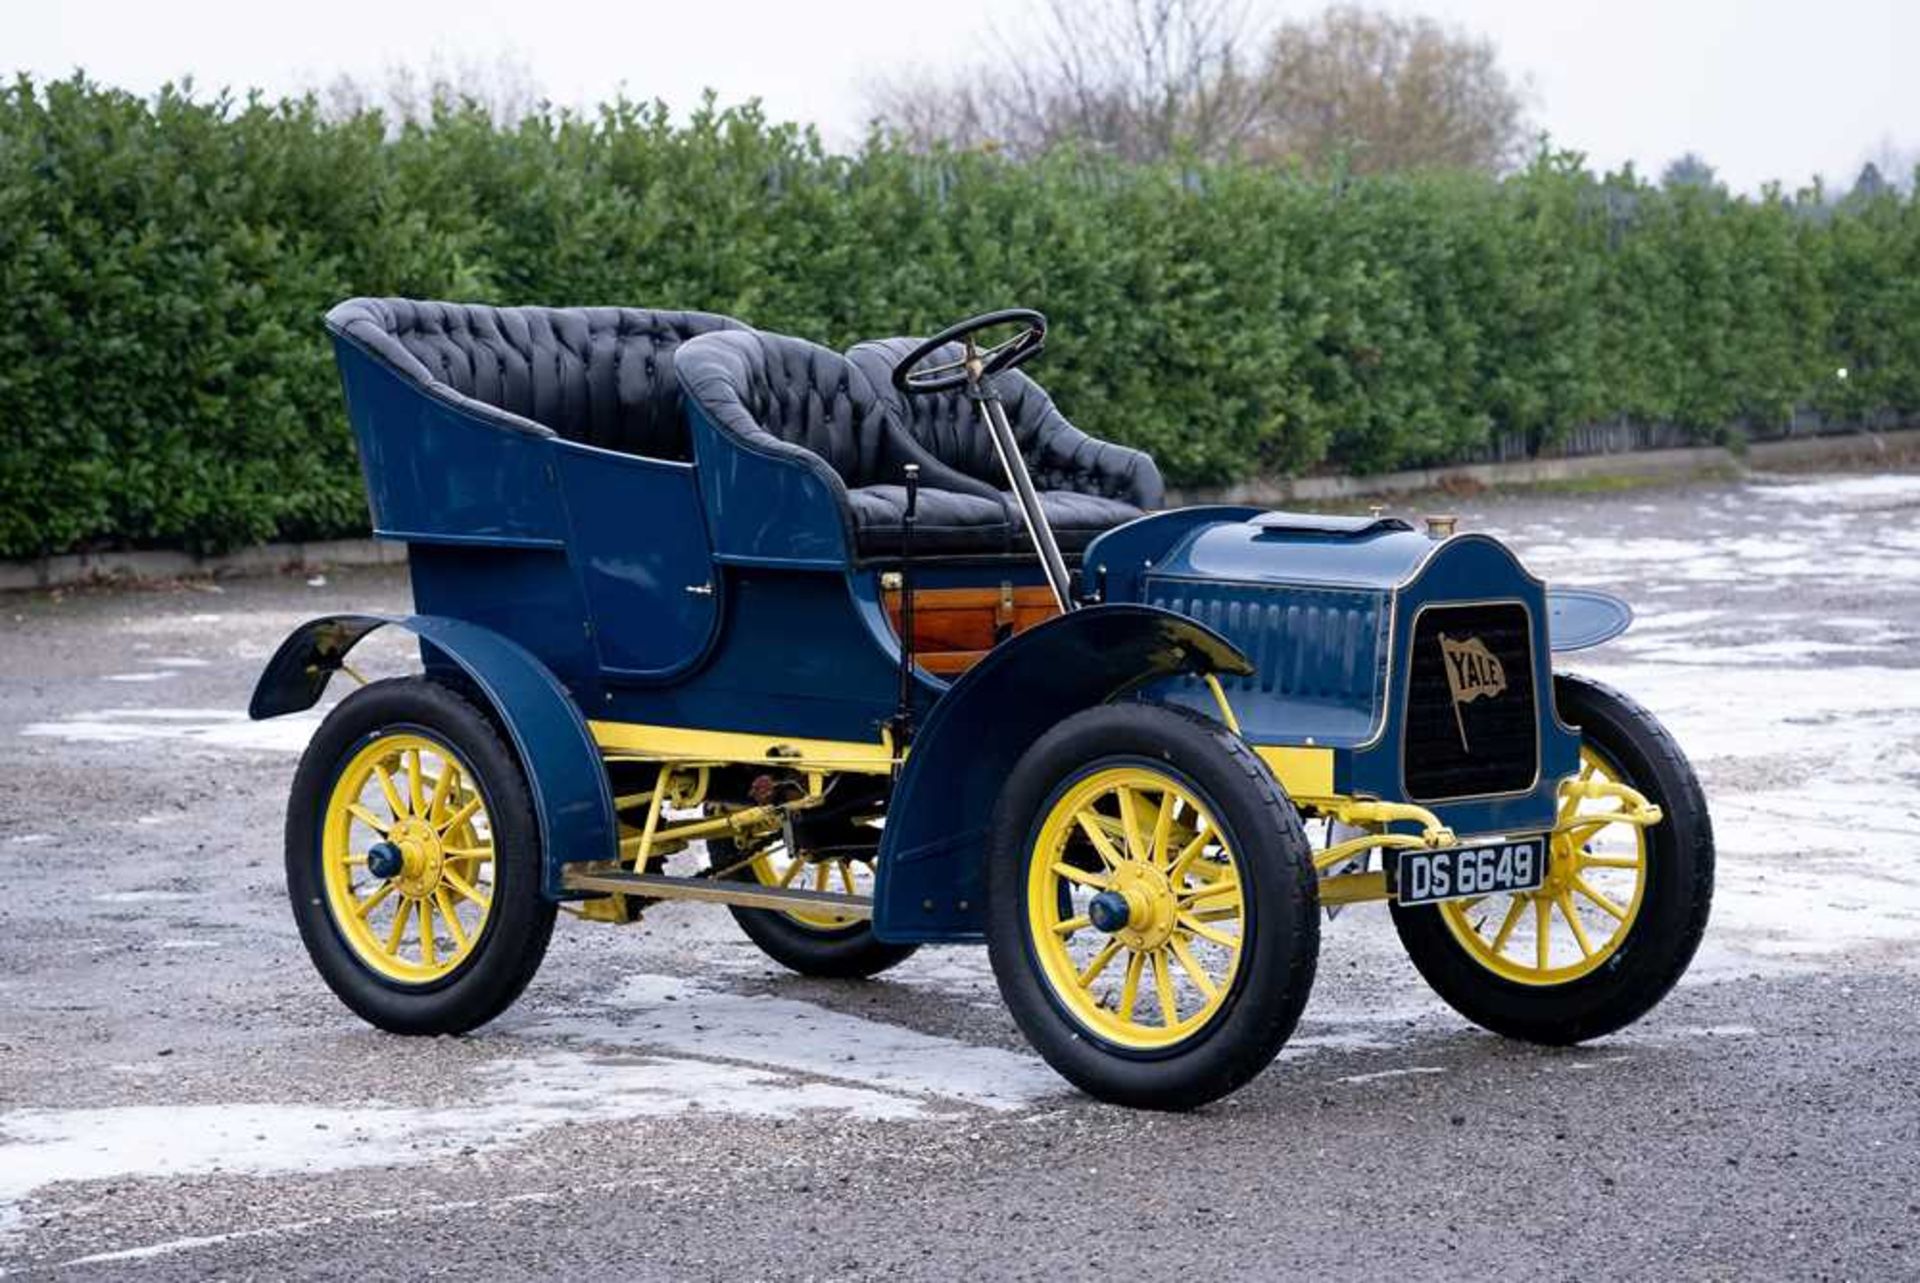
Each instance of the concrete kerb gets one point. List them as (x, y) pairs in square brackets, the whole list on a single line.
[(71, 569)]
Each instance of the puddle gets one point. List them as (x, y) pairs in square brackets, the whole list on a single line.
[(211, 727)]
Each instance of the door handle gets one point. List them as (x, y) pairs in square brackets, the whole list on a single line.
[(700, 590)]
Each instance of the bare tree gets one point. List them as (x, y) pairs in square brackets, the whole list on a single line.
[(409, 93), (1139, 79), (1382, 92), (1144, 79)]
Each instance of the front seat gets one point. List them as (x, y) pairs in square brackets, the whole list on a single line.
[(1086, 485), (793, 401)]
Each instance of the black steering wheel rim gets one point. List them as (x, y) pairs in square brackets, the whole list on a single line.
[(1004, 355)]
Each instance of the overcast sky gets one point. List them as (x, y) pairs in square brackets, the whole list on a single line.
[(1761, 88)]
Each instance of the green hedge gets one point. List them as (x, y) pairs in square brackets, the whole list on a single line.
[(164, 264)]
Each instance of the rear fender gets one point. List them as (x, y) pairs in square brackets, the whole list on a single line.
[(571, 797), (931, 867)]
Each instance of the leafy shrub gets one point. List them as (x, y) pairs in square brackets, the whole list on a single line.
[(165, 262)]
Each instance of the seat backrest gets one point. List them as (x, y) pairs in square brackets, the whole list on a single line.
[(1058, 455), (602, 376), (757, 386)]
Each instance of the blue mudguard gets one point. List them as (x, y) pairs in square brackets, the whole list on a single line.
[(931, 865), (1581, 617), (564, 772)]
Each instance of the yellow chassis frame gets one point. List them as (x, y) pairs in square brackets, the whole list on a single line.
[(685, 757)]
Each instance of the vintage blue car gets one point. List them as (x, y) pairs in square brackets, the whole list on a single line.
[(913, 659)]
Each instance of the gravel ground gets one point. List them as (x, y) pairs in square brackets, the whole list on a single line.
[(181, 1097)]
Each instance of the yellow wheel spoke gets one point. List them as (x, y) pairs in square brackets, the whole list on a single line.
[(1608, 861), (356, 858), (1099, 963), (467, 852), (428, 954), (369, 819), (1542, 931), (460, 816), (368, 905), (820, 875), (1581, 831), (464, 887), (1599, 898), (1130, 823), (1163, 987), (1163, 827), (1201, 980), (442, 788), (416, 787), (1081, 876), (1572, 915), (399, 927), (1212, 891), (1089, 824), (1188, 854), (1512, 920), (1197, 927), (1130, 986), (394, 804), (445, 904), (1071, 925), (792, 871), (846, 876)]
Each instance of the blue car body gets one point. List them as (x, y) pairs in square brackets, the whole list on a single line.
[(610, 604)]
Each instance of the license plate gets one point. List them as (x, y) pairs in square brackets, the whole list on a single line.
[(1456, 872)]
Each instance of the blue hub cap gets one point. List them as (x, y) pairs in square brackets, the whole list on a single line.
[(384, 860), (1109, 911)]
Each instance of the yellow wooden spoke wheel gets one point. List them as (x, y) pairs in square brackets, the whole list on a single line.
[(813, 942), (1134, 907), (413, 860), (1623, 905), (775, 866), (1151, 905), (407, 857), (1584, 910)]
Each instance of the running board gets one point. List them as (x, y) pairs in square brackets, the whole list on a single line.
[(746, 895)]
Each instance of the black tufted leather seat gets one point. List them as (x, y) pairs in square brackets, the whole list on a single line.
[(796, 400), (1086, 485), (602, 376)]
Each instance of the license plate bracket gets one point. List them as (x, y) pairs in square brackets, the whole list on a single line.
[(1490, 867)]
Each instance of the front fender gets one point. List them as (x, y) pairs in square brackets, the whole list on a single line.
[(931, 865), (1581, 617), (571, 797)]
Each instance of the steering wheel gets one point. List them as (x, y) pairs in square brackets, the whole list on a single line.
[(976, 364)]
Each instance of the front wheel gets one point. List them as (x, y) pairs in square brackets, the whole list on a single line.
[(1152, 906), (413, 860), (1622, 909)]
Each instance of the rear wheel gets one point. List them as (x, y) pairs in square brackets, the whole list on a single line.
[(1151, 906), (811, 942), (1621, 912), (413, 861)]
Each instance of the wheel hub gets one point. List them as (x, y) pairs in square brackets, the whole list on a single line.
[(421, 857), (1150, 906)]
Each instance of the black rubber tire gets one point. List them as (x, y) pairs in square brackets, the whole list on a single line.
[(1282, 927), (844, 953), (1662, 938), (520, 920)]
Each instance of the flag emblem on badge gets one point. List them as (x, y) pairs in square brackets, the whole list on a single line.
[(1473, 672)]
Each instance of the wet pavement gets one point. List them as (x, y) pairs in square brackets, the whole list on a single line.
[(181, 1097)]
